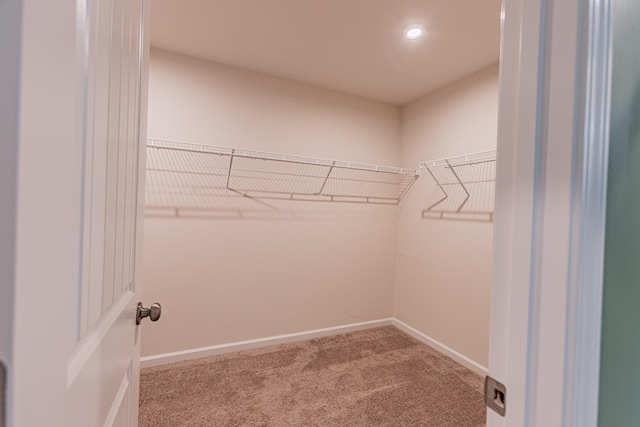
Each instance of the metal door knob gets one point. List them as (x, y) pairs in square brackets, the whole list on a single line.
[(152, 312)]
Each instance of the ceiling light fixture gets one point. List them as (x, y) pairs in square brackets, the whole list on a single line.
[(414, 31)]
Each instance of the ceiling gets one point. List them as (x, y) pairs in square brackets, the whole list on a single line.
[(352, 46)]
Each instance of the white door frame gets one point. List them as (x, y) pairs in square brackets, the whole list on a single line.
[(551, 194)]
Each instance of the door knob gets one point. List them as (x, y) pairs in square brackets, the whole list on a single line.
[(152, 312)]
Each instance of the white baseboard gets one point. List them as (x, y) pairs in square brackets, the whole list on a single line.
[(437, 345), (197, 353)]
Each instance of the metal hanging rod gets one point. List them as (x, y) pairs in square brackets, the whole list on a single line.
[(192, 176), (465, 187)]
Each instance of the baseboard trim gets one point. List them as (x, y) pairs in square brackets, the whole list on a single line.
[(438, 346), (197, 353)]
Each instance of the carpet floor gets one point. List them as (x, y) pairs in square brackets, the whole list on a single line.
[(376, 377)]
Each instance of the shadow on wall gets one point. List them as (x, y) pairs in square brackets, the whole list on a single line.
[(278, 211), (170, 198)]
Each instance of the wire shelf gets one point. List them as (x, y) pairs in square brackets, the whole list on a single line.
[(191, 176), (465, 187)]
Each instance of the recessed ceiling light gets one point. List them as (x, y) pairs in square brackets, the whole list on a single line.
[(414, 32)]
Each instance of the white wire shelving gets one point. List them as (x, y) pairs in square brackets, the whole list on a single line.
[(191, 176), (465, 187)]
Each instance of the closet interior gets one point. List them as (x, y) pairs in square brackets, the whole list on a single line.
[(279, 208)]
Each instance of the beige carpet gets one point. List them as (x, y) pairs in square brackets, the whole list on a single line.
[(376, 377)]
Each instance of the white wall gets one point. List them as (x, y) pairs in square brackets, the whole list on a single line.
[(225, 280), (443, 267)]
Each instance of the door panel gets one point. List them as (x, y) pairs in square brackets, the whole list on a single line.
[(111, 161), (113, 154), (133, 104), (97, 143), (83, 96), (123, 150), (95, 375)]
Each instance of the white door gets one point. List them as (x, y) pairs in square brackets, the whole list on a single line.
[(81, 133)]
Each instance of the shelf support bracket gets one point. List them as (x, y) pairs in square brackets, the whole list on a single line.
[(326, 178), (453, 171), (229, 171), (437, 181)]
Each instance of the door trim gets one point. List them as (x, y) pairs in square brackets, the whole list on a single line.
[(585, 312), (520, 92), (550, 206)]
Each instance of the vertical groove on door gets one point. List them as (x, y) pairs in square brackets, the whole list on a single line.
[(112, 155), (99, 161)]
